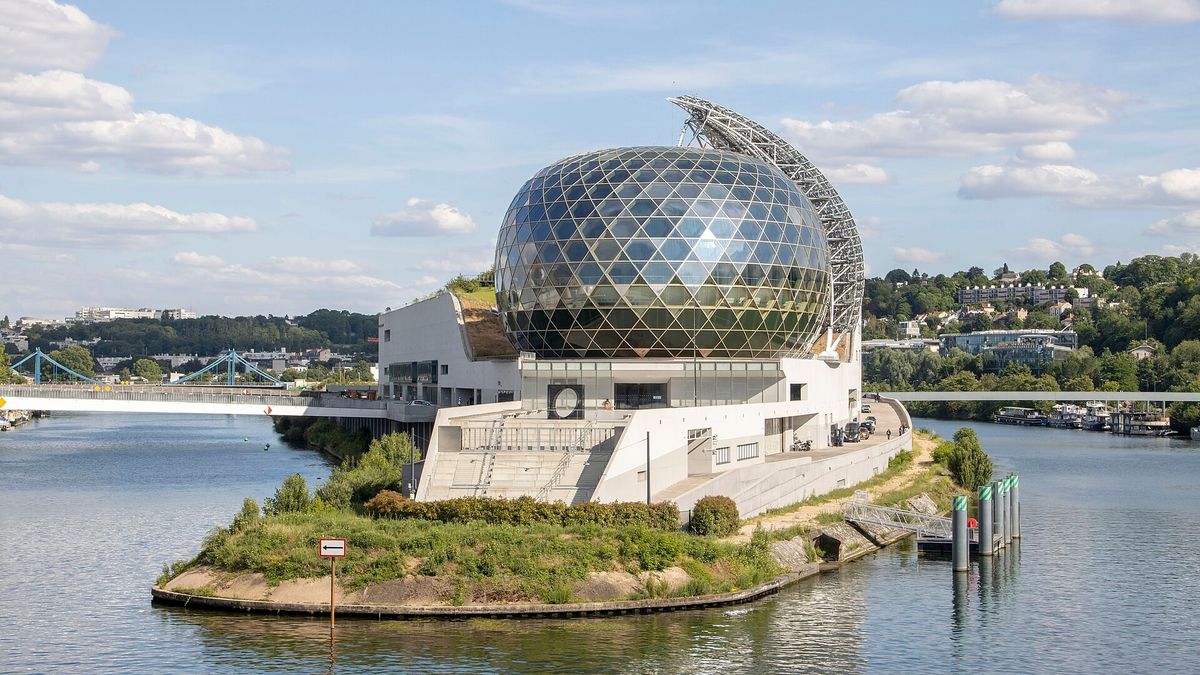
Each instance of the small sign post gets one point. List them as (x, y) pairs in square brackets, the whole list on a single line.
[(332, 549)]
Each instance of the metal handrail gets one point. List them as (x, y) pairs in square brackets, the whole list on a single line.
[(897, 519)]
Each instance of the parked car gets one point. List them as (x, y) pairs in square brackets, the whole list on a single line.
[(868, 424), (853, 432), (866, 407), (421, 402)]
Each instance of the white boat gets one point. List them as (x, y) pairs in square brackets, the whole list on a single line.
[(1066, 416), (1195, 431), (1096, 416)]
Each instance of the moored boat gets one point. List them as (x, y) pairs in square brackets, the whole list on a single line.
[(1021, 416), (1140, 423), (1096, 417), (1195, 431), (1066, 416)]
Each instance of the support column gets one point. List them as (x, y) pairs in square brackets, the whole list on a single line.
[(960, 540), (1007, 512), (1016, 500), (985, 520), (998, 510)]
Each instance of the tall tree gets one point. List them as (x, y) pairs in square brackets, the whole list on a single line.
[(76, 358)]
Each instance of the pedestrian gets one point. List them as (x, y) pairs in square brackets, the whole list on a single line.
[(889, 434), (607, 404)]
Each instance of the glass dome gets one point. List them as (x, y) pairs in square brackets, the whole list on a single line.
[(661, 252)]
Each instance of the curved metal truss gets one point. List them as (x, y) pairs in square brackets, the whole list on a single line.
[(719, 127)]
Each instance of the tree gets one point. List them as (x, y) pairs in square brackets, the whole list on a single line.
[(4, 323), (898, 275), (148, 369), (76, 358), (397, 448), (291, 497), (969, 463), (1058, 271), (7, 375)]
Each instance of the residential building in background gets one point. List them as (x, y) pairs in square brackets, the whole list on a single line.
[(975, 343)]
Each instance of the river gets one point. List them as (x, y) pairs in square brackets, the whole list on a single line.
[(1105, 578)]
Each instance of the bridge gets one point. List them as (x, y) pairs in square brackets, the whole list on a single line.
[(168, 399), (1151, 396)]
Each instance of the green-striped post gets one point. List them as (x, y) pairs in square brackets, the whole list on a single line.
[(985, 519), (1007, 510), (960, 539), (1001, 512), (1016, 506)]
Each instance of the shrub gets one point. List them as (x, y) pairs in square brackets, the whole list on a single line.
[(942, 453), (248, 516), (291, 497), (526, 511), (969, 464), (901, 459), (715, 515)]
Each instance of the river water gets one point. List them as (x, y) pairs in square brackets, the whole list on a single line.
[(1105, 578)]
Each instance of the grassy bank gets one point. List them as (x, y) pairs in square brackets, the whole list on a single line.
[(486, 563)]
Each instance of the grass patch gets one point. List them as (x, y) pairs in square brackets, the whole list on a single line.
[(477, 561)]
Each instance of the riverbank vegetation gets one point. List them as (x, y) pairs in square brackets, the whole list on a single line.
[(486, 551), (1153, 301)]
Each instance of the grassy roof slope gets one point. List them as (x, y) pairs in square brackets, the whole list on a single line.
[(484, 328)]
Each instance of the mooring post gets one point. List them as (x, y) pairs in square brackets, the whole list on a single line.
[(1016, 506), (1001, 518), (961, 539), (985, 519), (1007, 511)]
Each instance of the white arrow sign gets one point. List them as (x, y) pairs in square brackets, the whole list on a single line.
[(332, 548)]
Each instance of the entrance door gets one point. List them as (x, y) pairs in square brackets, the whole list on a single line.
[(629, 396)]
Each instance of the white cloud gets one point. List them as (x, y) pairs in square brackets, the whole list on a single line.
[(36, 34), (1184, 224), (107, 224), (423, 218), (996, 182), (856, 173), (58, 116), (918, 255), (1080, 186), (1166, 11), (1054, 151), (292, 283), (1067, 246), (193, 259), (312, 265), (961, 118)]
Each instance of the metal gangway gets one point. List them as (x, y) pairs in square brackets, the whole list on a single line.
[(924, 525)]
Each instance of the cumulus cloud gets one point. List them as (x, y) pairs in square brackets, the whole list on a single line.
[(942, 118), (1165, 11), (916, 254), (423, 218), (37, 34), (1068, 245), (1080, 186), (1054, 151), (107, 223), (1184, 224), (52, 114), (856, 173)]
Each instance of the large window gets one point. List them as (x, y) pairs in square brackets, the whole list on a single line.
[(747, 451)]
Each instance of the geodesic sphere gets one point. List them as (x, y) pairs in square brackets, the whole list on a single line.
[(661, 252)]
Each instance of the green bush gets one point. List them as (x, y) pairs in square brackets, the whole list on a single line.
[(526, 511), (969, 464), (942, 453), (248, 516), (652, 549), (291, 497), (359, 479), (715, 515)]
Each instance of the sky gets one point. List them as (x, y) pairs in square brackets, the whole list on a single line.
[(274, 158)]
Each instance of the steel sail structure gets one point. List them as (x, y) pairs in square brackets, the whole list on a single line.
[(719, 127)]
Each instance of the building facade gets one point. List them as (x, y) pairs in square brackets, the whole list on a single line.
[(975, 343), (1035, 294)]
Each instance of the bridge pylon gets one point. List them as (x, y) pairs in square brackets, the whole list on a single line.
[(38, 357)]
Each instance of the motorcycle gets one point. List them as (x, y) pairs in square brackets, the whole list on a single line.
[(799, 445)]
